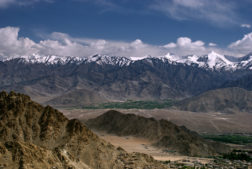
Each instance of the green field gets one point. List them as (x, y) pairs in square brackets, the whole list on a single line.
[(133, 105), (235, 139)]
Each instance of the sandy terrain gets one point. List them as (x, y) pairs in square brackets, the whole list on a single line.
[(200, 122), (133, 144)]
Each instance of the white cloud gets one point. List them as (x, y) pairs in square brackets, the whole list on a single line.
[(11, 45), (218, 12), (109, 47), (212, 44), (7, 3), (185, 46), (170, 45), (137, 48), (243, 46), (246, 26)]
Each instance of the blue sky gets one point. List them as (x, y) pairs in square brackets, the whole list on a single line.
[(110, 26)]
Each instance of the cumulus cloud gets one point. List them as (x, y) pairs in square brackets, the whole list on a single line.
[(212, 44), (246, 26), (12, 45), (89, 47), (185, 46), (218, 12), (243, 46)]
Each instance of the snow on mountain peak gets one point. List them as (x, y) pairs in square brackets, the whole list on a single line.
[(218, 61), (213, 60), (246, 62), (172, 58), (138, 58), (51, 59), (112, 60)]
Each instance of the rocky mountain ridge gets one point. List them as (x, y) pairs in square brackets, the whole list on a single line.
[(162, 132), (33, 136), (227, 100), (107, 79), (211, 61)]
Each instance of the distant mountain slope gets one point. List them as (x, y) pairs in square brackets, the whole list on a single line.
[(162, 132), (244, 82), (212, 60), (32, 136), (226, 100), (109, 79), (77, 98)]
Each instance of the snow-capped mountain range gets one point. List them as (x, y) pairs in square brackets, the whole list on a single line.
[(212, 61)]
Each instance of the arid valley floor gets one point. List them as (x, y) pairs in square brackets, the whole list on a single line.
[(209, 123), (203, 123)]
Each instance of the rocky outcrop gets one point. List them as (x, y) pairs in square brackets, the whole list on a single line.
[(33, 136), (163, 133)]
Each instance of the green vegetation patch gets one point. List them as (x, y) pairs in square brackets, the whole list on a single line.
[(238, 155), (133, 105), (234, 139)]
